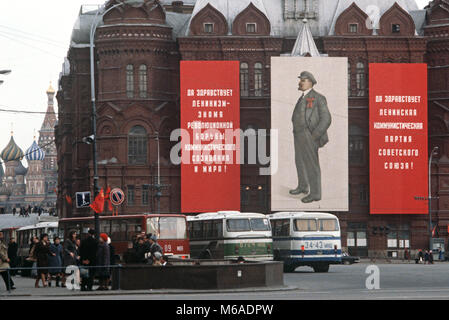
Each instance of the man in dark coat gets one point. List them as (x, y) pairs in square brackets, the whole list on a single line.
[(12, 254), (311, 119), (88, 256)]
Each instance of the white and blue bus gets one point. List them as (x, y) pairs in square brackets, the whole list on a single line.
[(306, 239)]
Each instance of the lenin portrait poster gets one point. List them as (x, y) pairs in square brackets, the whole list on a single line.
[(309, 110)]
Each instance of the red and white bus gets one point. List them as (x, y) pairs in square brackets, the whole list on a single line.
[(170, 229)]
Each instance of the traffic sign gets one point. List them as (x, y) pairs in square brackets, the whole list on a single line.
[(117, 196), (83, 199)]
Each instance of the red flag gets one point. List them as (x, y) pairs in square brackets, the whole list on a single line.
[(433, 231), (98, 205), (68, 199), (107, 199)]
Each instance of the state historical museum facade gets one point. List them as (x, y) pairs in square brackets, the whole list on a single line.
[(138, 51)]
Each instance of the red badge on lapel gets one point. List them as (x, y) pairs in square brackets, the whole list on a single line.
[(310, 102)]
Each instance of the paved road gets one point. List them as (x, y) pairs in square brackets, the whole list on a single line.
[(397, 281)]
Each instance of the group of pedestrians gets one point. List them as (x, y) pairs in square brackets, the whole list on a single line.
[(148, 251), (426, 257)]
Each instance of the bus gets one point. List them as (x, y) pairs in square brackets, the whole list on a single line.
[(24, 236), (9, 233), (229, 235), (306, 239), (170, 229)]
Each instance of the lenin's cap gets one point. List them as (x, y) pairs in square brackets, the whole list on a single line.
[(308, 75)]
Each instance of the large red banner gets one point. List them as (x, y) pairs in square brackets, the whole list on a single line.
[(210, 119), (398, 138)]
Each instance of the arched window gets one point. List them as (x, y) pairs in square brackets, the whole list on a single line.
[(361, 79), (244, 79), (137, 145), (143, 83), (130, 81), (258, 79)]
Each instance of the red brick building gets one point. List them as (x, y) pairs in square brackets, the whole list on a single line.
[(138, 51)]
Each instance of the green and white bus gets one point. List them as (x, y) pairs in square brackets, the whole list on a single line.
[(230, 235)]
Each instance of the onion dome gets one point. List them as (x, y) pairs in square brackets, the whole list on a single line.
[(11, 152), (2, 173), (4, 191), (50, 89), (34, 152), (20, 170)]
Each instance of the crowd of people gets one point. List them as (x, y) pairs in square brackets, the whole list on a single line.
[(26, 211), (93, 258), (426, 257)]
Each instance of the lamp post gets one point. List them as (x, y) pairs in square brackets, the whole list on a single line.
[(99, 16), (433, 153)]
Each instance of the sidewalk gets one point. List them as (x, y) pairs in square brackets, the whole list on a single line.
[(393, 261), (25, 288)]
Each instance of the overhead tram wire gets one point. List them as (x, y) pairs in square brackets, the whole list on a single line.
[(37, 112), (24, 37), (29, 45), (28, 34)]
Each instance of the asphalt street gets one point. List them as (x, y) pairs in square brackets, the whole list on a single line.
[(397, 281)]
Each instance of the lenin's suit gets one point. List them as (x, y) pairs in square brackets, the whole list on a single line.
[(311, 119)]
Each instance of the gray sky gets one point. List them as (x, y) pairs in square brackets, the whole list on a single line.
[(34, 39)]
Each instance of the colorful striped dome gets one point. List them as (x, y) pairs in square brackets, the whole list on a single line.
[(34, 152), (11, 152)]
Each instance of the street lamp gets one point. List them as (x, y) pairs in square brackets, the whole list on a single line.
[(433, 153), (99, 16)]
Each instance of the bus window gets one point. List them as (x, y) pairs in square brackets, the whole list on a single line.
[(218, 228), (116, 230), (105, 226), (305, 225), (172, 228), (153, 226), (134, 228), (280, 227), (237, 225), (260, 224), (197, 230), (328, 225)]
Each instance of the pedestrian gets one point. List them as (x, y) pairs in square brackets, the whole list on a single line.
[(77, 254), (430, 257), (103, 261), (164, 261), (14, 211), (55, 261), (42, 250), (140, 249), (12, 254), (88, 256), (4, 265), (426, 257), (157, 256), (406, 255), (155, 247), (69, 251)]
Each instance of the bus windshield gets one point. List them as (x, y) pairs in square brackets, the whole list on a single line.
[(238, 225), (260, 224), (167, 227)]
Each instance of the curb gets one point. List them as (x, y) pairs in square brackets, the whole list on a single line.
[(78, 293)]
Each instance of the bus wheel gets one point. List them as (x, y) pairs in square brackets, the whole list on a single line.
[(321, 268), (288, 268)]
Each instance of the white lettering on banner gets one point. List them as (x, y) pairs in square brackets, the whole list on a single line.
[(373, 280), (73, 280)]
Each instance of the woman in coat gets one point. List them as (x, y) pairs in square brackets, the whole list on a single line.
[(55, 261), (69, 254), (103, 259), (42, 250)]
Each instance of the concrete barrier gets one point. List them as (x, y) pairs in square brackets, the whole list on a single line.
[(206, 275)]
